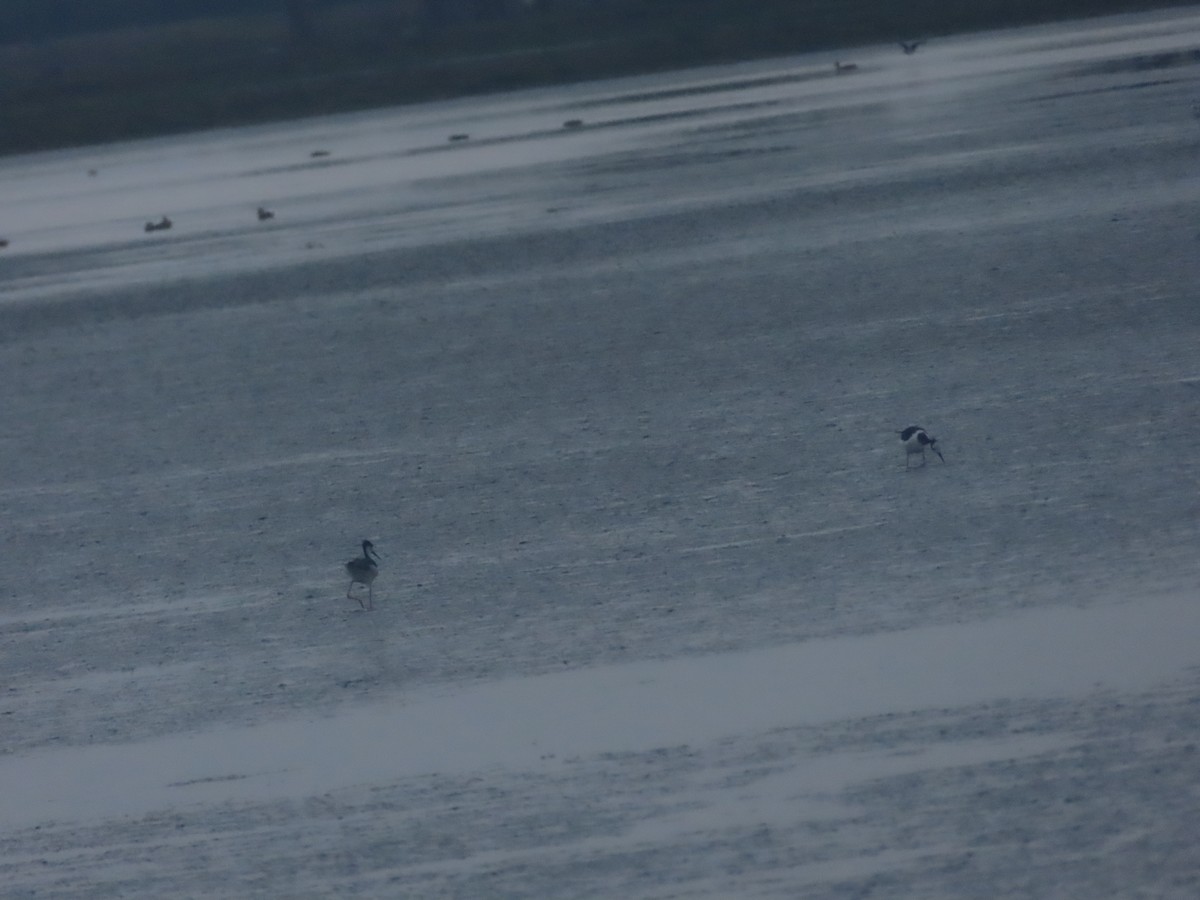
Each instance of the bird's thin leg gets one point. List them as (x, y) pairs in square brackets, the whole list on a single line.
[(370, 597)]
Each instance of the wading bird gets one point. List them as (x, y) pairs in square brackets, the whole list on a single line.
[(362, 570), (916, 439), (264, 214), (842, 68), (161, 225)]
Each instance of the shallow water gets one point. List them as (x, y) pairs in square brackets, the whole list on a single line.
[(617, 405)]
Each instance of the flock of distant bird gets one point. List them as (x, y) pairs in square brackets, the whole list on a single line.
[(364, 569), (264, 214), (165, 224)]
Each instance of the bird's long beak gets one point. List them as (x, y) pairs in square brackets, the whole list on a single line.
[(939, 453)]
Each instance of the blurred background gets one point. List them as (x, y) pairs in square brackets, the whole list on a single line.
[(79, 73)]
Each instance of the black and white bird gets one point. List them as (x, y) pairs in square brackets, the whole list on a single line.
[(916, 439), (362, 570), (910, 47)]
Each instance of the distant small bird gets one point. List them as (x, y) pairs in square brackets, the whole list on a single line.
[(319, 154), (573, 123), (916, 439), (455, 138), (362, 570), (842, 68), (161, 225), (3, 243), (910, 47), (264, 214)]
